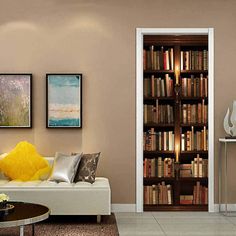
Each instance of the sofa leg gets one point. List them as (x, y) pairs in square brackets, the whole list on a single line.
[(99, 219)]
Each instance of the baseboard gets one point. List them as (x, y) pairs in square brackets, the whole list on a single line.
[(123, 208), (132, 207), (230, 207)]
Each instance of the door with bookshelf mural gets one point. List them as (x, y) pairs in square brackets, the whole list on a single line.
[(175, 129)]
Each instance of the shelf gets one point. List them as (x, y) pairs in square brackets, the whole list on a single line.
[(185, 158), (153, 125), (158, 71), (171, 40), (148, 180), (193, 152), (194, 125), (159, 98), (193, 179), (175, 207), (152, 153), (193, 98), (157, 179), (194, 71)]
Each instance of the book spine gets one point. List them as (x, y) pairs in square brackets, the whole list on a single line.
[(187, 60), (172, 58), (158, 60), (167, 85), (195, 168), (182, 142), (160, 167), (167, 60), (152, 56), (198, 193), (162, 58), (181, 60), (144, 59)]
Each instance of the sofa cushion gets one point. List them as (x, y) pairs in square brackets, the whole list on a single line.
[(87, 168), (64, 167), (6, 185), (24, 163)]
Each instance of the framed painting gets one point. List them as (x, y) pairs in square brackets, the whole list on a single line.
[(64, 100), (15, 100)]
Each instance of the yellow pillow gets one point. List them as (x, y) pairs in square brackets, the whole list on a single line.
[(24, 163)]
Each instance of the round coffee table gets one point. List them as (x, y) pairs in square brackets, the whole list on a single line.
[(24, 214)]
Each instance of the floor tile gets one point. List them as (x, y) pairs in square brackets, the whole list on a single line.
[(175, 224), (231, 219), (199, 233), (136, 220), (182, 220), (140, 229), (158, 215), (133, 215), (190, 229)]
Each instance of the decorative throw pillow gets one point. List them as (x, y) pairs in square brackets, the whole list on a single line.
[(24, 163), (87, 168), (64, 167)]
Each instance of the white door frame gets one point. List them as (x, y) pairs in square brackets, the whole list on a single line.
[(140, 32)]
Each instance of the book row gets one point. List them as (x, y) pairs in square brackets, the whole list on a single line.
[(194, 60), (158, 194), (199, 197), (158, 87), (159, 114), (156, 167), (197, 169), (200, 194), (195, 113), (162, 59), (158, 141), (162, 194), (192, 140), (194, 86)]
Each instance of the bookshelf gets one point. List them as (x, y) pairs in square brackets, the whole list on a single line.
[(175, 156)]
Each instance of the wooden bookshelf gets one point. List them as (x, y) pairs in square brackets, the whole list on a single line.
[(159, 78), (175, 207)]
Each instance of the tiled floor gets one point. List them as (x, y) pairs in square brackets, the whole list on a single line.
[(175, 224)]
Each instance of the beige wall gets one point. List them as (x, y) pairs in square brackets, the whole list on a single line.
[(97, 38)]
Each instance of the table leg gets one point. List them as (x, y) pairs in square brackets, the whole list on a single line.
[(22, 230), (220, 177), (226, 181), (32, 229)]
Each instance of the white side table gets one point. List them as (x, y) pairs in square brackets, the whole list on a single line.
[(224, 141)]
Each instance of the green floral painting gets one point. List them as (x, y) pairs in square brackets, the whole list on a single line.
[(15, 100)]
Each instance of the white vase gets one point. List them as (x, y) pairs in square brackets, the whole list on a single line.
[(230, 129)]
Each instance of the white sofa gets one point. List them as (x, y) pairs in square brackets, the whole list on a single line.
[(62, 198)]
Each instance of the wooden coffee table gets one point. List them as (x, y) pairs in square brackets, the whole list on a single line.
[(24, 214)]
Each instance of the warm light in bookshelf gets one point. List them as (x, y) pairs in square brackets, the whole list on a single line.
[(177, 152), (177, 74)]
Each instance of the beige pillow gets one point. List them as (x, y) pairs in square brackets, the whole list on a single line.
[(64, 167)]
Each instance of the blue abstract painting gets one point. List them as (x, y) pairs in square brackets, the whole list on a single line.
[(64, 100)]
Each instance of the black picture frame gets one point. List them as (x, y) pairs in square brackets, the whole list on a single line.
[(59, 115), (16, 100)]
